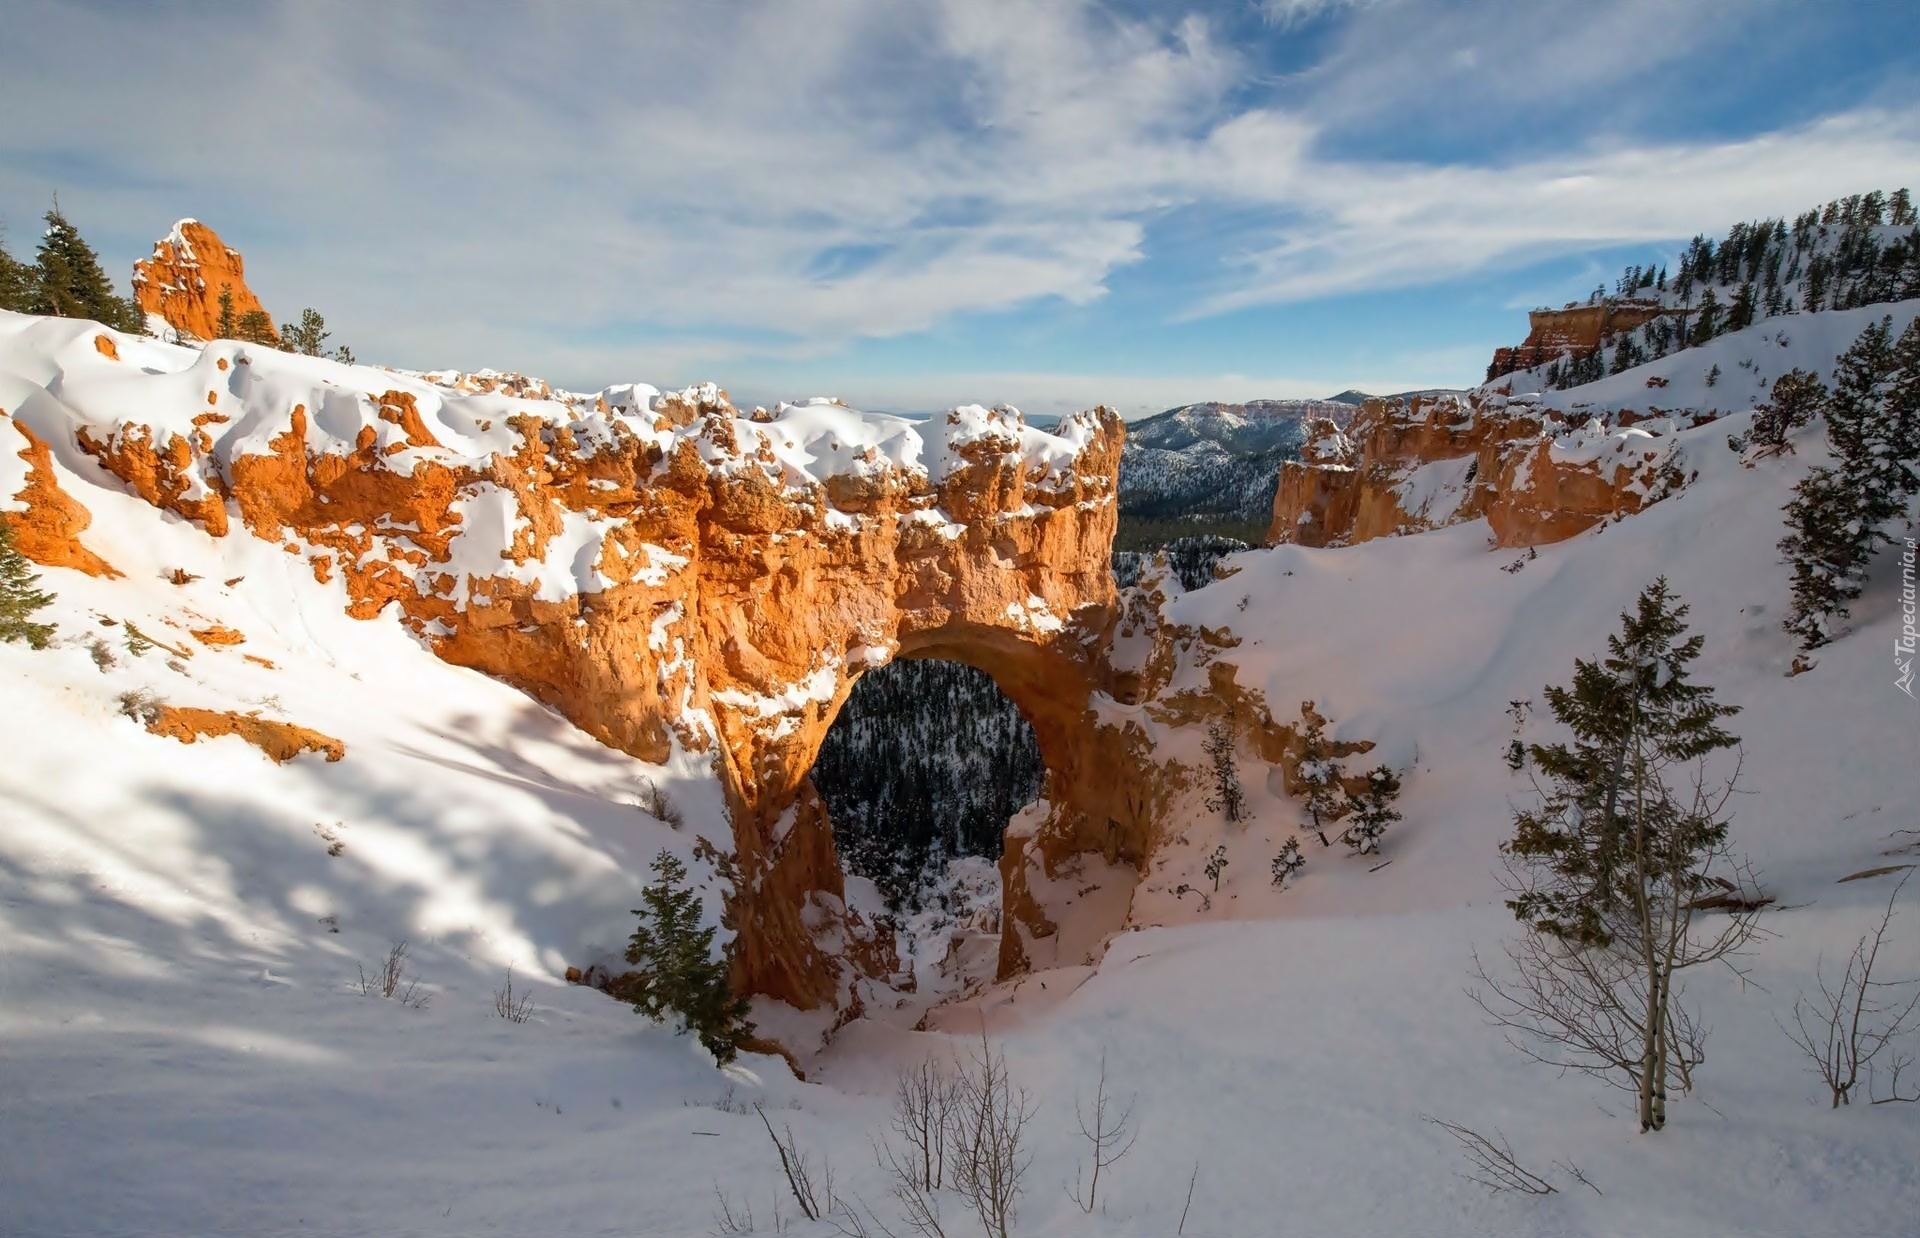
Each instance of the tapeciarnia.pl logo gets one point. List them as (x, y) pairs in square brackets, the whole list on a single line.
[(1903, 646)]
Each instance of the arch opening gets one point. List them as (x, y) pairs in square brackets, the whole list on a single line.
[(926, 763)]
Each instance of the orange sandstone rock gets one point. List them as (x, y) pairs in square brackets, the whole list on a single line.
[(282, 741), (183, 280), (216, 635), (1460, 459), (48, 531)]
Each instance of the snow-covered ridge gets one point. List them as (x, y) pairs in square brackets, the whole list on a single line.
[(182, 425), (240, 396)]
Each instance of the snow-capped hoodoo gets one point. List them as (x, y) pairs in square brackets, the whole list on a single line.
[(182, 282)]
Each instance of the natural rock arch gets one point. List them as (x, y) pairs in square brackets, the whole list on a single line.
[(1090, 788), (665, 572)]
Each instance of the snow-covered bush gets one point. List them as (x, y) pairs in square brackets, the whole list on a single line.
[(1372, 811), (1288, 863), (1320, 775)]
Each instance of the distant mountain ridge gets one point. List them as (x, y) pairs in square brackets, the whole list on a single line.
[(1214, 460)]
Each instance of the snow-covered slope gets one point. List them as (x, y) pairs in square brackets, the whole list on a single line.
[(1730, 372), (184, 1049)]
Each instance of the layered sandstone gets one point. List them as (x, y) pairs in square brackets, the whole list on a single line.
[(184, 278), (1535, 474), (672, 575), (1573, 332)]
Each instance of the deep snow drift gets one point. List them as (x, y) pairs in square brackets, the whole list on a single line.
[(184, 1048)]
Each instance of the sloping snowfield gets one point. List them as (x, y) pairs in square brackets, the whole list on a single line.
[(184, 1047)]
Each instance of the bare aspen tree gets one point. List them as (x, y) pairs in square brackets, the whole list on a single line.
[(990, 1158), (1857, 1018), (924, 1101), (1610, 870), (1109, 1129)]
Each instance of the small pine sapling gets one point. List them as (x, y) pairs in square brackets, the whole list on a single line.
[(1226, 798), (1217, 864), (1372, 811), (677, 973), (19, 598), (1320, 775), (1288, 863)]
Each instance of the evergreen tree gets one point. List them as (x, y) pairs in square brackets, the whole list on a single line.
[(1319, 774), (1858, 427), (1796, 397), (1372, 811), (69, 281), (677, 974), (1226, 797), (1900, 209), (1816, 294), (1828, 550), (19, 599), (1740, 316), (1288, 863), (1902, 413), (225, 327), (1605, 870), (309, 336), (255, 327), (16, 282), (1707, 324), (1633, 708)]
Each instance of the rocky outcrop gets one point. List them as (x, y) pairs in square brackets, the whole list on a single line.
[(184, 278), (1575, 331), (47, 528), (281, 741), (674, 577), (1535, 474)]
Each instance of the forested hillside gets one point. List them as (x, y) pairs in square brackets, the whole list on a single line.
[(1863, 249), (927, 761)]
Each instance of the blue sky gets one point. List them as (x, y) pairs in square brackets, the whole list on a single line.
[(916, 204)]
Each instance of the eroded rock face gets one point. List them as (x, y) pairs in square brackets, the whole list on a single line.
[(1537, 475), (671, 575), (47, 526), (1574, 332), (183, 280)]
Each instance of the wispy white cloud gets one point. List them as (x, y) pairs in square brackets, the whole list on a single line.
[(1288, 14), (657, 186), (1363, 226)]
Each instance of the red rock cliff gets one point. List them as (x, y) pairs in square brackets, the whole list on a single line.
[(1537, 475), (1576, 331)]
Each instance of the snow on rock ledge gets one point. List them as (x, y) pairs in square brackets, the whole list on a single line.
[(659, 568)]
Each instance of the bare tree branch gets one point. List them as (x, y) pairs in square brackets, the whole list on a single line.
[(1494, 1166), (1110, 1135)]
